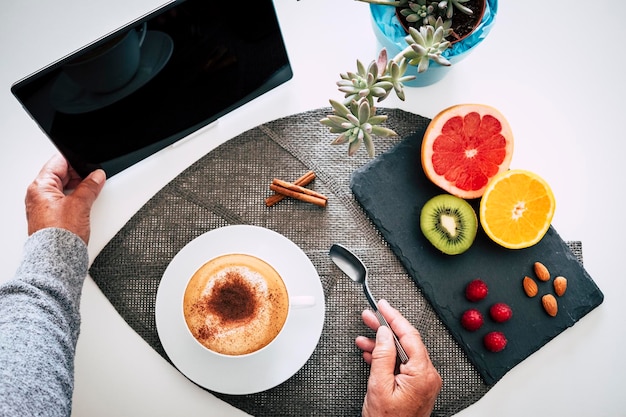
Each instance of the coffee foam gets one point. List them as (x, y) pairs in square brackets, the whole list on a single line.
[(235, 304)]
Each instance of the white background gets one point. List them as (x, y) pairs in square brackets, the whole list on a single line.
[(554, 70)]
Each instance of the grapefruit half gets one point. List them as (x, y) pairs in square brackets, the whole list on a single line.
[(464, 146)]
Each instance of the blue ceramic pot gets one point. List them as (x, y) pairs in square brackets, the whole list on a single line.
[(390, 35)]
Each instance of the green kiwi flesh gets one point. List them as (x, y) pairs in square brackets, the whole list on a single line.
[(449, 223)]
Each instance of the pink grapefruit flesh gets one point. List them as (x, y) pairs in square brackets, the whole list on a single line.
[(464, 146)]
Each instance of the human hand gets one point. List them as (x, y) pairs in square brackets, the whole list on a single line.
[(409, 390), (59, 198)]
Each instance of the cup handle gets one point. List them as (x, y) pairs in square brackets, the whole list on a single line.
[(302, 301), (141, 32)]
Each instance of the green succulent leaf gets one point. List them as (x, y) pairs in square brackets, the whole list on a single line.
[(333, 121), (412, 18), (373, 70), (430, 35), (383, 132), (340, 140), (339, 108), (377, 119), (369, 144), (349, 89), (437, 35), (364, 113), (360, 68), (352, 120), (419, 49), (423, 63), (440, 60), (353, 147), (365, 93)]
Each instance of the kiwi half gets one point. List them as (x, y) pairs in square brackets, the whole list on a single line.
[(449, 223)]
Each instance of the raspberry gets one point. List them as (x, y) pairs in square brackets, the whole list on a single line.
[(472, 320), (494, 341), (500, 312), (476, 290)]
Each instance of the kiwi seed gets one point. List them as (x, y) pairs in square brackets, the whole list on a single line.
[(449, 223)]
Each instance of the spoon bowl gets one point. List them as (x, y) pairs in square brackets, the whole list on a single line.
[(354, 268)]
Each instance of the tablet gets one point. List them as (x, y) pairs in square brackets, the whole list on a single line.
[(154, 81)]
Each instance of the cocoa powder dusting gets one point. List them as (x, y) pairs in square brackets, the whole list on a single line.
[(204, 333), (232, 299)]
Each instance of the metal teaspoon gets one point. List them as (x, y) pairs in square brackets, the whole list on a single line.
[(354, 268)]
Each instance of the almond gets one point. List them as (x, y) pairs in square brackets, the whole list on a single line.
[(560, 285), (541, 271), (530, 286), (549, 304)]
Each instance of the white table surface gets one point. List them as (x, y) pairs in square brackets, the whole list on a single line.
[(563, 98)]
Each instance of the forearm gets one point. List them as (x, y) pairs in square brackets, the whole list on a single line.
[(39, 325)]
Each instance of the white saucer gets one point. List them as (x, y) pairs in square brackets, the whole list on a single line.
[(272, 365), (67, 97)]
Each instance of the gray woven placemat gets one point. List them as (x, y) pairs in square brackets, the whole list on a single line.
[(228, 186)]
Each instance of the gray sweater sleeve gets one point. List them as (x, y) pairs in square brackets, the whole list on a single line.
[(39, 325)]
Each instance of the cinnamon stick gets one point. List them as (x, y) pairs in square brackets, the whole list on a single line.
[(297, 188), (302, 181), (299, 196)]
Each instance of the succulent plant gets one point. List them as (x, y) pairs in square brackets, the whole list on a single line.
[(424, 12), (377, 81), (449, 5), (426, 44), (418, 11), (355, 120), (445, 24), (395, 74), (364, 83), (356, 124)]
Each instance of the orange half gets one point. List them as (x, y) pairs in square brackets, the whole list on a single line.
[(517, 208)]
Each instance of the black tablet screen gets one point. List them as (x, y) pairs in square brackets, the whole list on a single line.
[(197, 61)]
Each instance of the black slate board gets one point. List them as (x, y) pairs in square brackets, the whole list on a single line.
[(393, 188)]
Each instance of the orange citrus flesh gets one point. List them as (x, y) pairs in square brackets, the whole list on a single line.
[(517, 208), (464, 146)]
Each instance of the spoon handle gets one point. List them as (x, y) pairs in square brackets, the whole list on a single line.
[(401, 353), (383, 322)]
